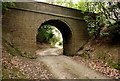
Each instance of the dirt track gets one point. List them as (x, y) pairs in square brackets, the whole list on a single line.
[(63, 67)]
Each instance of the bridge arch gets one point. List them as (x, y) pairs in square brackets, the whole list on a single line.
[(66, 32), (27, 18)]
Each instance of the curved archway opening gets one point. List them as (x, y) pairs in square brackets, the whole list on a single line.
[(64, 30)]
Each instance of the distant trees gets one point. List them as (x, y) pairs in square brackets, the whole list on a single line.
[(66, 3), (46, 34)]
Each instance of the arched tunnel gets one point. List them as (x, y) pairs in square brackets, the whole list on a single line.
[(66, 34)]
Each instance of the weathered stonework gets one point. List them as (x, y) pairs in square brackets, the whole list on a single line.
[(23, 21)]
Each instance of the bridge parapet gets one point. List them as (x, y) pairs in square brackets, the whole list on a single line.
[(49, 9)]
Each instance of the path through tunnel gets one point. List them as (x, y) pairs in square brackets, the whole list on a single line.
[(64, 30)]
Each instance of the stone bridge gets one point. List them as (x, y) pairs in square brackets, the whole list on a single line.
[(23, 21)]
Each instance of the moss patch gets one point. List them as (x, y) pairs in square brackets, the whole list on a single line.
[(14, 51)]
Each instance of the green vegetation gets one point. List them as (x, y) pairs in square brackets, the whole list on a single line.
[(61, 43), (10, 48), (116, 66), (66, 3), (46, 34), (5, 5), (106, 16), (106, 21)]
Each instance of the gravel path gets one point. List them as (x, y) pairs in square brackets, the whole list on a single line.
[(63, 67)]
